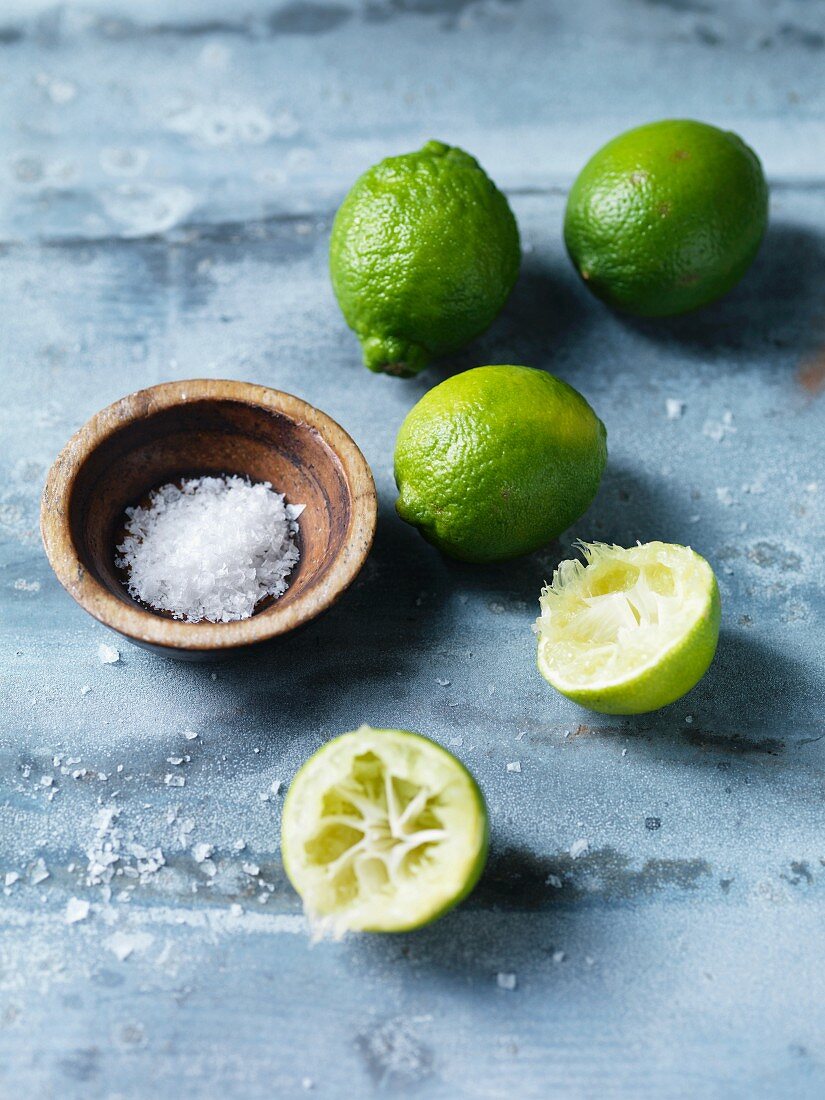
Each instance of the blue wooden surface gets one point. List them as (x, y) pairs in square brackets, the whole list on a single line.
[(169, 175)]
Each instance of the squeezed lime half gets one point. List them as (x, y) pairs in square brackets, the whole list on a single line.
[(628, 630), (382, 831)]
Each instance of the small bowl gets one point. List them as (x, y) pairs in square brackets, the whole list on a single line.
[(190, 429)]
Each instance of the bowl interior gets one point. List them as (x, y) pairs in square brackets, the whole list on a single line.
[(212, 437)]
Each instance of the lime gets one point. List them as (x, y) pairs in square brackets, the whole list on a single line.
[(424, 253), (667, 217), (382, 831), (497, 461), (630, 630)]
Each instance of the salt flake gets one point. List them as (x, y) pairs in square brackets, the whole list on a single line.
[(77, 909)]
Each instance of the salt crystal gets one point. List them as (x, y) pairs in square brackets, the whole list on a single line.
[(209, 868), (122, 944), (624, 752), (201, 852), (11, 878), (190, 735), (689, 718), (77, 909), (250, 869), (506, 981), (554, 881), (307, 1084), (442, 682), (39, 872), (85, 689), (276, 786), (174, 759), (46, 780), (558, 957), (579, 847), (724, 496), (174, 781), (210, 549), (674, 408), (107, 654), (514, 766), (239, 844), (235, 910)]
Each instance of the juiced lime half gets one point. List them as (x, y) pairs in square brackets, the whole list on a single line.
[(382, 831), (628, 631)]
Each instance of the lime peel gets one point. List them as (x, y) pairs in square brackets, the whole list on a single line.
[(382, 831), (628, 630)]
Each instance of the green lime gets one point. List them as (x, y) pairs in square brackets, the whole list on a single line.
[(424, 253), (498, 461), (667, 217), (382, 831), (630, 630)]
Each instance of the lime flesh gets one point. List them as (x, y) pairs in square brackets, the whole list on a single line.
[(382, 831), (628, 631)]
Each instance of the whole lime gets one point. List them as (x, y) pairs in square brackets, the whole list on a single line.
[(424, 253), (667, 217), (497, 461)]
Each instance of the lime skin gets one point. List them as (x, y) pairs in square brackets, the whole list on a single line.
[(498, 461), (424, 253), (382, 915), (667, 217)]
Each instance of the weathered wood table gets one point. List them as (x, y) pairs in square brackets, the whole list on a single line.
[(170, 171)]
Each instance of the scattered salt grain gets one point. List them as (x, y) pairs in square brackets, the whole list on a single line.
[(107, 654), (724, 496), (624, 752), (239, 844), (718, 429), (211, 548), (558, 957), (554, 881), (11, 878), (123, 944), (174, 760), (251, 869), (235, 910), (506, 981), (174, 781), (514, 766), (307, 1084), (202, 852), (22, 585), (46, 780), (190, 735), (689, 718), (579, 847), (77, 909), (674, 408), (443, 682), (39, 872)]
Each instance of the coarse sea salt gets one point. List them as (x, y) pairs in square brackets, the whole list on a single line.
[(210, 548)]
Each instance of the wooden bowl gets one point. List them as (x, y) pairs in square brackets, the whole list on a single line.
[(188, 429)]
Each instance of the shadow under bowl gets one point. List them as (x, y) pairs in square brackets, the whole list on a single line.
[(193, 429)]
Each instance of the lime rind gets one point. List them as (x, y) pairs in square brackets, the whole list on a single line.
[(628, 630), (383, 831)]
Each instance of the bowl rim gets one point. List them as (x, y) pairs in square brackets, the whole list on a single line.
[(146, 628)]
